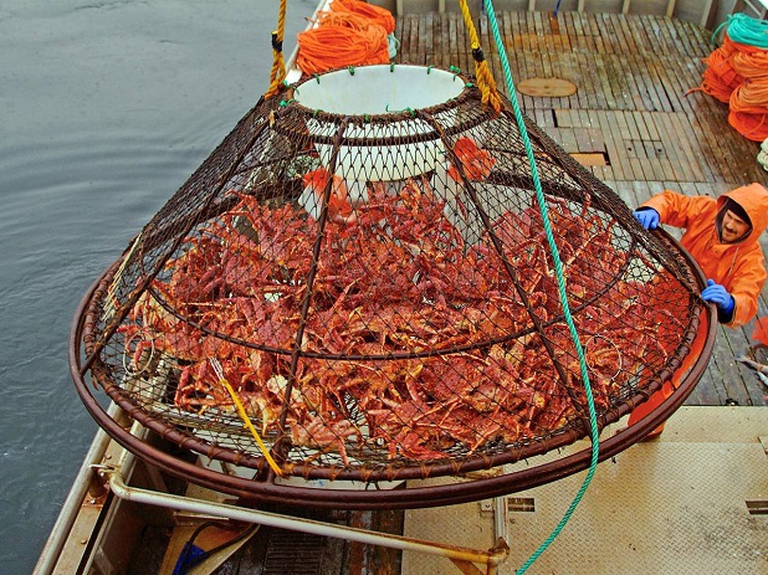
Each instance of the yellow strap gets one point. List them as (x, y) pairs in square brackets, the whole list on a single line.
[(277, 75), (483, 75), (244, 416)]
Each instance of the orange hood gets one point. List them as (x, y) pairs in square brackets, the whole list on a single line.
[(754, 199)]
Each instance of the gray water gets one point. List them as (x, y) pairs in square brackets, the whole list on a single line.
[(106, 107)]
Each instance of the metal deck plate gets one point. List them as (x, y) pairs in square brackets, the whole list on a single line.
[(674, 505)]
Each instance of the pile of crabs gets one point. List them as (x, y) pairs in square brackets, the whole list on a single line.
[(384, 331)]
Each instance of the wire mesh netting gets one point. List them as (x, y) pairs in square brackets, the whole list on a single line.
[(362, 266)]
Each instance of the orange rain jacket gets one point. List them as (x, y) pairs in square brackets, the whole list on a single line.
[(739, 267)]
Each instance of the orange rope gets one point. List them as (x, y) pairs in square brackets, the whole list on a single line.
[(341, 39), (753, 65), (752, 126), (737, 74), (374, 13), (485, 81), (751, 96), (720, 79), (713, 85), (722, 67), (277, 74)]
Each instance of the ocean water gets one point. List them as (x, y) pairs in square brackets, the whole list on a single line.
[(106, 107)]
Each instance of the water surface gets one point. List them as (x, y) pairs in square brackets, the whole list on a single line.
[(106, 108)]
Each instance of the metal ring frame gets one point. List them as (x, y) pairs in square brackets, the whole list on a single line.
[(372, 497)]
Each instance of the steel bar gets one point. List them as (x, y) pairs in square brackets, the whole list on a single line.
[(491, 557)]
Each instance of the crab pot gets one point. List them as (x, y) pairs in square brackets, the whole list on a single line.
[(355, 291)]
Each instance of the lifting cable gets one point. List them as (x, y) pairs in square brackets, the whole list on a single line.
[(483, 76), (277, 74), (594, 434)]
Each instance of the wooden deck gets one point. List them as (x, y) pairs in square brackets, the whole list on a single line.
[(633, 111)]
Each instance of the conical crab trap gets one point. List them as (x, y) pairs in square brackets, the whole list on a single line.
[(355, 288)]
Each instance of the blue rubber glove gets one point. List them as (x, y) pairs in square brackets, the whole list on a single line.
[(719, 296), (648, 218)]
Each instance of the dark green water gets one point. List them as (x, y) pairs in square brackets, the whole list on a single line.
[(106, 108)]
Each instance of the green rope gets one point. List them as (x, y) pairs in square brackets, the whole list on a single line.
[(746, 30), (560, 284)]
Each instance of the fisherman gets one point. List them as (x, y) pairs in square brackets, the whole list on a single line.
[(723, 236)]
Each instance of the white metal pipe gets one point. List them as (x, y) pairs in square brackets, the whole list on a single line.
[(500, 518), (491, 558)]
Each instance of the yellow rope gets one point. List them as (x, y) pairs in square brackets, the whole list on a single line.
[(244, 416), (483, 75), (277, 75)]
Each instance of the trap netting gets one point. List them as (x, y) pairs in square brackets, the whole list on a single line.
[(356, 284)]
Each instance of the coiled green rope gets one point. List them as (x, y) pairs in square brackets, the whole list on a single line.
[(594, 435), (745, 30)]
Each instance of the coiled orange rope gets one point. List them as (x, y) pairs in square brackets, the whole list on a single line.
[(339, 40), (751, 96), (752, 126), (737, 74), (751, 64), (377, 14), (720, 79)]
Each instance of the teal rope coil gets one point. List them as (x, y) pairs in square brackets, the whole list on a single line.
[(745, 30), (594, 435)]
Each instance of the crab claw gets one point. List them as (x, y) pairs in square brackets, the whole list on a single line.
[(475, 163), (339, 206)]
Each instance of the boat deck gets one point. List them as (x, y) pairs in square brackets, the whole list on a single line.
[(636, 120), (673, 505)]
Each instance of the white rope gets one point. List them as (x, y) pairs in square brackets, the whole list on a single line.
[(762, 156)]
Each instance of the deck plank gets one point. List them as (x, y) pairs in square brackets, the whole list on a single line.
[(637, 102)]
